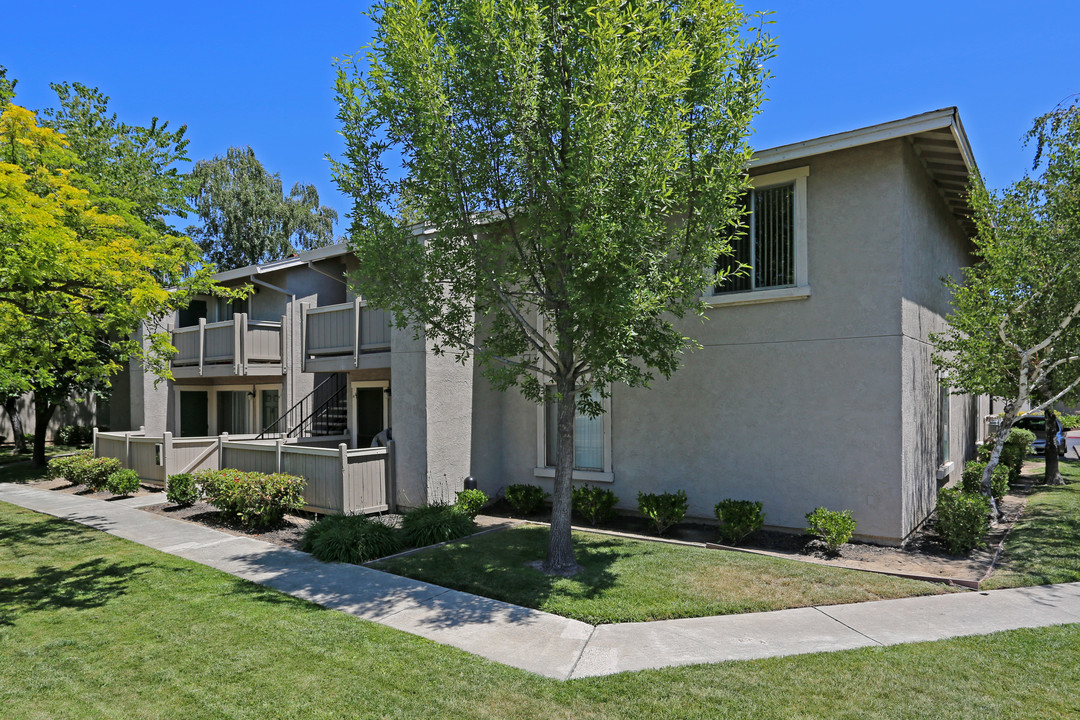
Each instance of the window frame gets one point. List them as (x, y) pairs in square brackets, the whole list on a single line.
[(543, 470), (801, 288)]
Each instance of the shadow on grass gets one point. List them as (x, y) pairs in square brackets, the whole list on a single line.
[(31, 529), (89, 584), (1045, 546)]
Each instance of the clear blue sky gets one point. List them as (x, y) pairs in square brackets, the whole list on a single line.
[(261, 74)]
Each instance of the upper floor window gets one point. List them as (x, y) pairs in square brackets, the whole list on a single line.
[(771, 245)]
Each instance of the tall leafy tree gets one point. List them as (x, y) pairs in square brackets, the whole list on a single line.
[(580, 163), (80, 271), (1014, 331), (247, 218)]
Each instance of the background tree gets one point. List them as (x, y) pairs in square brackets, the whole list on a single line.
[(80, 271), (246, 218), (580, 162), (1013, 332)]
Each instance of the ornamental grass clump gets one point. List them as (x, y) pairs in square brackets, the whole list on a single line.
[(123, 482), (595, 504), (351, 539), (525, 499), (738, 518), (254, 500), (435, 523), (664, 509), (962, 520), (832, 527), (471, 502)]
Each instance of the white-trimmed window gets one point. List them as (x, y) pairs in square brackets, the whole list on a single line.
[(772, 245), (592, 442)]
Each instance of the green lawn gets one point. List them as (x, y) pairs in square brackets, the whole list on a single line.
[(97, 627), (1044, 547), (630, 580), (18, 468)]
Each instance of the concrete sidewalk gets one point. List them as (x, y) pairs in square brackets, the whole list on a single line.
[(548, 644)]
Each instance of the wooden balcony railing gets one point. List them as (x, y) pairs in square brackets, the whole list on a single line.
[(349, 329), (237, 342)]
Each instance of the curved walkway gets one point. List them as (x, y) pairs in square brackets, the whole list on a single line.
[(548, 644)]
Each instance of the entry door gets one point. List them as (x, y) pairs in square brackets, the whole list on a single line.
[(194, 420), (369, 414)]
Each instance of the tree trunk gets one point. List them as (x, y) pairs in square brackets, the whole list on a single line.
[(43, 412), (1011, 411), (560, 555), (18, 435), (1052, 474)]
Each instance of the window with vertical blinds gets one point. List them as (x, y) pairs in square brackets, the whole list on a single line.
[(766, 245), (588, 436)]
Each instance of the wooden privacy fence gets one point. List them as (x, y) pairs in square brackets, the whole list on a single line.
[(338, 480)]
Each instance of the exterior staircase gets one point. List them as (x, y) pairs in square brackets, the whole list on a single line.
[(321, 413)]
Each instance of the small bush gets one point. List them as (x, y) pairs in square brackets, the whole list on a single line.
[(1013, 452), (595, 504), (123, 482), (525, 499), (350, 538), (664, 509), (93, 472), (833, 527), (738, 518), (253, 499), (962, 520), (971, 479), (435, 523), (182, 490), (74, 435), (471, 502), (61, 468)]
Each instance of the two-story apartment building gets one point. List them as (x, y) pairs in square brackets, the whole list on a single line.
[(815, 385)]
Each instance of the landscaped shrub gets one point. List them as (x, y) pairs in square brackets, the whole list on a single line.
[(350, 538), (471, 502), (595, 504), (1013, 452), (182, 490), (60, 468), (738, 518), (123, 482), (435, 523), (253, 499), (971, 479), (525, 499), (962, 519), (664, 509), (93, 472), (74, 435), (833, 527)]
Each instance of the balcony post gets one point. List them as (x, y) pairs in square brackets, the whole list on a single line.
[(357, 325), (303, 336), (202, 343)]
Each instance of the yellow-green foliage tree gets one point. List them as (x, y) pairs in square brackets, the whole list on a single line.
[(80, 271)]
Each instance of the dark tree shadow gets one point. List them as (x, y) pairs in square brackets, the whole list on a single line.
[(89, 584)]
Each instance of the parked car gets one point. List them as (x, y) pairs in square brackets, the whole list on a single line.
[(1037, 425)]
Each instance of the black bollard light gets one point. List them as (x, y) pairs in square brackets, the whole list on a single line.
[(470, 483)]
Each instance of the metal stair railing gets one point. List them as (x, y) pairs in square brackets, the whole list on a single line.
[(300, 416)]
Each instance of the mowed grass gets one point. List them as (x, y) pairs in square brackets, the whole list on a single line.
[(19, 468), (1044, 547), (96, 627), (631, 580)]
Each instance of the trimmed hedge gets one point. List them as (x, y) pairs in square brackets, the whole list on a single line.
[(252, 499), (123, 482), (962, 520), (594, 504), (182, 490), (664, 509), (471, 502), (738, 518), (525, 499)]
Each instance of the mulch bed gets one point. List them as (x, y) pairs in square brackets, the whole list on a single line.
[(287, 533)]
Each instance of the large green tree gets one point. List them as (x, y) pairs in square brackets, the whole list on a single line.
[(1014, 330), (247, 218), (579, 163), (80, 271)]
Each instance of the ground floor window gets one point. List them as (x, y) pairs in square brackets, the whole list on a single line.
[(232, 412), (943, 425), (588, 437)]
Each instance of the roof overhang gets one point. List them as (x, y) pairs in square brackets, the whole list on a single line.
[(937, 137), (308, 256)]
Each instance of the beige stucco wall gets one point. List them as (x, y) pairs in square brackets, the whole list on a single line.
[(797, 403)]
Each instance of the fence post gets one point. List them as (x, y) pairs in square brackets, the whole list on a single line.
[(346, 486), (222, 439), (279, 442), (94, 441), (391, 475), (166, 455), (127, 450)]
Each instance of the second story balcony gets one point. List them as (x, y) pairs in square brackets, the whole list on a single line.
[(234, 347), (342, 337)]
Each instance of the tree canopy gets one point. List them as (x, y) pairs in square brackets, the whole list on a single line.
[(247, 218), (1013, 330), (80, 271), (579, 164)]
